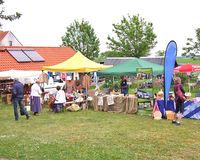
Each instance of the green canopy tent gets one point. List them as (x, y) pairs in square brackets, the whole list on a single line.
[(132, 67)]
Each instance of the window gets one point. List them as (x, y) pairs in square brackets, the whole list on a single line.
[(10, 43)]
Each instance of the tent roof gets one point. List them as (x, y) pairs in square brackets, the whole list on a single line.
[(77, 63), (131, 67), (19, 74), (118, 60)]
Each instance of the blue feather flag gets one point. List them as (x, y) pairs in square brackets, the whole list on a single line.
[(170, 62)]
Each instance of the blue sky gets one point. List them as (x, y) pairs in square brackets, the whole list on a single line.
[(44, 22)]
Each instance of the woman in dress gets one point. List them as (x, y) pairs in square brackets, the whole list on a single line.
[(36, 97)]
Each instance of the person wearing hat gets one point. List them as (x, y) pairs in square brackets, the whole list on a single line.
[(188, 96), (35, 97), (17, 98), (160, 95), (69, 86)]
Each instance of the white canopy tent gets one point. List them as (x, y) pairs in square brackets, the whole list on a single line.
[(22, 75)]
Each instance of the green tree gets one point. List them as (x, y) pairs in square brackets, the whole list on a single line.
[(81, 37), (104, 55), (134, 37), (192, 48), (7, 17), (160, 53)]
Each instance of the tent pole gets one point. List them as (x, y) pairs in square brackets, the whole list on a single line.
[(42, 78), (113, 81), (189, 84), (152, 90)]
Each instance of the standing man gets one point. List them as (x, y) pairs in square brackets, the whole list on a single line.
[(124, 85), (17, 97)]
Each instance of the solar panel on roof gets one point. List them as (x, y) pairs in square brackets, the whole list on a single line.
[(18, 55), (33, 55)]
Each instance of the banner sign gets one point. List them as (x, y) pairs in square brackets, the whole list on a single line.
[(169, 63)]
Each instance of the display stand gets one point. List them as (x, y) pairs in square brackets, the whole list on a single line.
[(146, 97)]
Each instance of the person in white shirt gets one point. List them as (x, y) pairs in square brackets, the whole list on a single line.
[(35, 97), (60, 99)]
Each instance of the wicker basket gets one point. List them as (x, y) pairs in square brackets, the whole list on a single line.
[(157, 115), (170, 115)]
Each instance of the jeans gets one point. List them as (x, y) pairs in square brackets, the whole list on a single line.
[(124, 91), (57, 107), (19, 102)]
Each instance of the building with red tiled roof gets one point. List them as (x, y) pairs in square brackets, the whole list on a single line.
[(3, 34), (7, 38), (10, 57)]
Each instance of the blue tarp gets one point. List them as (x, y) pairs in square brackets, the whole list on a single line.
[(192, 110)]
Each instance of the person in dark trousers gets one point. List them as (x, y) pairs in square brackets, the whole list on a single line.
[(179, 100), (17, 98), (124, 85)]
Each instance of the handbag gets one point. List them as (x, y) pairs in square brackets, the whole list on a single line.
[(180, 94)]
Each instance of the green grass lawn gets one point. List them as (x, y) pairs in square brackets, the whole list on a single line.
[(89, 135), (188, 61)]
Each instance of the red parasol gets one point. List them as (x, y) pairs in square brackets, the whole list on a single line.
[(187, 68)]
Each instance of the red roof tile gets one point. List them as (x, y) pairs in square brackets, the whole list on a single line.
[(52, 56), (3, 34)]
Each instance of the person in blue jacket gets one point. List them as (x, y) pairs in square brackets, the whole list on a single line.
[(17, 99)]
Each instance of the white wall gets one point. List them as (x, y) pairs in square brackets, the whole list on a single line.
[(8, 39)]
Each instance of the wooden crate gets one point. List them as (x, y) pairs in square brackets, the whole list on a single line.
[(3, 98), (8, 98)]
